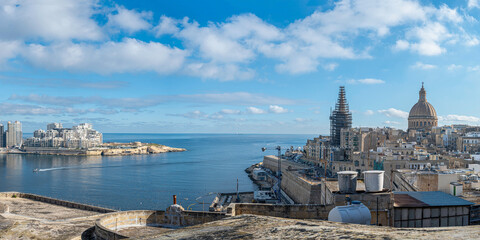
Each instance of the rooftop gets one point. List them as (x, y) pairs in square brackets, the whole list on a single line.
[(427, 199)]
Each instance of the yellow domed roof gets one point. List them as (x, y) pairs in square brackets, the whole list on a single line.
[(423, 109)]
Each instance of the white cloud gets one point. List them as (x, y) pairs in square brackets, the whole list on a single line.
[(222, 72), (130, 55), (254, 110), (129, 20), (401, 45), (330, 66), (166, 25), (470, 41), (367, 81), (229, 42), (59, 34), (429, 37), (391, 122), (302, 120), (62, 82), (195, 114), (392, 112), (424, 66), (224, 112), (235, 98), (277, 109), (459, 118), (473, 4), (474, 68), (9, 49), (27, 109), (300, 46), (49, 20), (223, 48), (369, 112), (230, 111), (444, 13), (453, 67)]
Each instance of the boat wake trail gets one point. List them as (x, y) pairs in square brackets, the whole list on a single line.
[(52, 169), (110, 166)]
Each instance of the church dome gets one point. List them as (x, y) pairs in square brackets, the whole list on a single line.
[(423, 110), (423, 114)]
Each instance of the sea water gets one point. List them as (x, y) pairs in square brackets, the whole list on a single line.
[(211, 164)]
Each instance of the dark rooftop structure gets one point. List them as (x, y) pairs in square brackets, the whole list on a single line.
[(430, 209), (427, 199)]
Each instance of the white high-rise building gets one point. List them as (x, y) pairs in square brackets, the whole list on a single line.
[(14, 134)]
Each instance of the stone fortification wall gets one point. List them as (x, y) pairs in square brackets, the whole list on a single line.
[(55, 201), (301, 190), (198, 217), (107, 226), (298, 211), (271, 163)]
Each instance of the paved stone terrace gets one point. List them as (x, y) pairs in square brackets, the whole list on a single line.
[(29, 219), (261, 227)]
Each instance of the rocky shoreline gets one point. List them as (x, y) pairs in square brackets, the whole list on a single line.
[(106, 149)]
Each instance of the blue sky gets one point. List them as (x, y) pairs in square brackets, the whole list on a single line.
[(271, 66)]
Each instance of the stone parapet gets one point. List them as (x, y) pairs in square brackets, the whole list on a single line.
[(297, 211), (106, 228), (55, 201)]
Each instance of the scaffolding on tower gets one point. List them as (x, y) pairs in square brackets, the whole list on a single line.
[(340, 118)]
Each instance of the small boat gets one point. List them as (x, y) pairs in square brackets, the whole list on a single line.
[(35, 170)]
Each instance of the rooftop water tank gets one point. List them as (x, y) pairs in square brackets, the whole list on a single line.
[(374, 180), (456, 189), (347, 181), (473, 177), (354, 213)]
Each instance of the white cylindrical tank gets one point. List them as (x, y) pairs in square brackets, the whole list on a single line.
[(473, 177), (374, 180), (354, 213), (456, 189), (463, 177), (347, 181)]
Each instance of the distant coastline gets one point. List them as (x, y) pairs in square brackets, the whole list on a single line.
[(106, 149)]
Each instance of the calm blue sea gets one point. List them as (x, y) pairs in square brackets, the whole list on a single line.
[(211, 164)]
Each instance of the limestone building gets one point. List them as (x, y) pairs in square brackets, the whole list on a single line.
[(78, 137), (422, 115)]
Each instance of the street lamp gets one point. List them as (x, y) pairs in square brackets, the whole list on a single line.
[(279, 170)]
